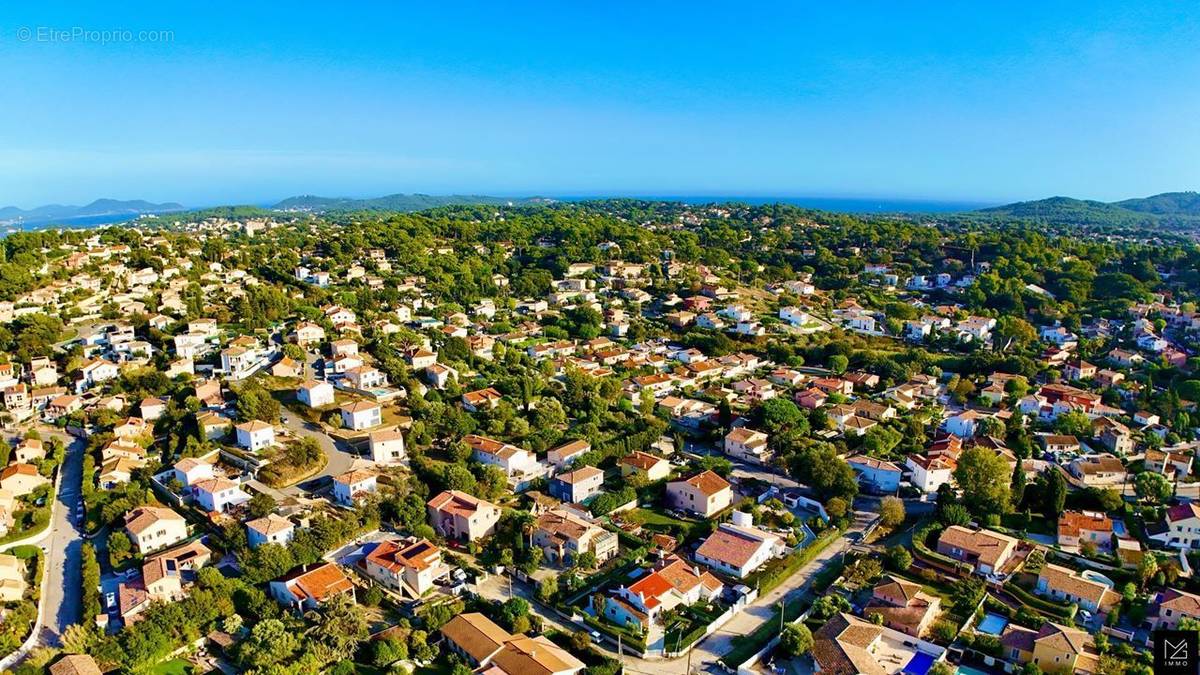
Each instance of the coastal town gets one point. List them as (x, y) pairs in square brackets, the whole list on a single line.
[(604, 437)]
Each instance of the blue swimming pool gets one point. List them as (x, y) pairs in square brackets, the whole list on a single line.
[(919, 664), (992, 624)]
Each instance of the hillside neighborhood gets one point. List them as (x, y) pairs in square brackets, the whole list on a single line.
[(594, 438)]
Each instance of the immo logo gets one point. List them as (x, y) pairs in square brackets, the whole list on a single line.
[(1175, 652)]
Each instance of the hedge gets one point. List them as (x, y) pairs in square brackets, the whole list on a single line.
[(933, 557), (1041, 605), (777, 571)]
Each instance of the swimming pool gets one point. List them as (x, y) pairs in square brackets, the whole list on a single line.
[(968, 670), (992, 624), (919, 664)]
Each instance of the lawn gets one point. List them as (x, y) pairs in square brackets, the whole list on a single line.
[(172, 667)]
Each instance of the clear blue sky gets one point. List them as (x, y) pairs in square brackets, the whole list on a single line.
[(250, 102)]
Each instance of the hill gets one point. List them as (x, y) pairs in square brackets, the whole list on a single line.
[(1168, 209), (1165, 204), (396, 202), (100, 207)]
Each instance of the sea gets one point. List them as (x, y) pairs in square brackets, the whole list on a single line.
[(76, 223)]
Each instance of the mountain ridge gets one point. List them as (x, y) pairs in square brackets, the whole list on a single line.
[(1167, 208), (98, 207), (392, 202)]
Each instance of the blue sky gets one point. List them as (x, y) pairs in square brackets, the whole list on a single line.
[(251, 102)]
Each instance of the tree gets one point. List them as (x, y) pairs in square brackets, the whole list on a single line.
[(983, 476), (1015, 332), (1152, 487), (119, 548), (261, 505), (836, 507), (1074, 423), (1053, 488), (1146, 569), (796, 639), (891, 511), (341, 626), (269, 642), (897, 558), (838, 363), (779, 414)]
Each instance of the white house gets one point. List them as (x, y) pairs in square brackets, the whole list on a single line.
[(190, 470), (747, 444), (255, 435), (218, 494), (273, 529), (353, 485), (965, 424), (739, 548), (359, 415), (315, 393), (794, 315), (387, 446), (929, 473)]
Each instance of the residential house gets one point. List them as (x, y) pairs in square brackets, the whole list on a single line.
[(411, 568), (1171, 605), (481, 399), (458, 515), (218, 495), (930, 472), (271, 529), (315, 393), (578, 485), (1098, 470), (386, 446), (1179, 529), (903, 605), (1173, 465), (1069, 586), (255, 435), (738, 549), (350, 487), (520, 465), (672, 583), (563, 536), (12, 578), (565, 454), (704, 494), (154, 527), (21, 479), (747, 444), (985, 550), (1053, 648), (1076, 528), (359, 415), (654, 468), (876, 476), (307, 586)]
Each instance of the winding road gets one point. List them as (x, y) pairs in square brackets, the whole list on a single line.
[(337, 459)]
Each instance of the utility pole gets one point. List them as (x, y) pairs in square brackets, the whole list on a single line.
[(782, 609)]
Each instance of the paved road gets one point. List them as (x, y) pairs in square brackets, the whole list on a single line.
[(61, 604), (338, 458)]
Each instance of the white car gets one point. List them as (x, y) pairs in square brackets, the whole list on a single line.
[(110, 600)]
